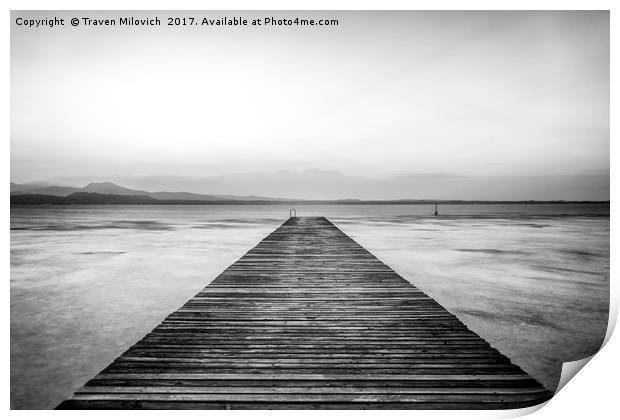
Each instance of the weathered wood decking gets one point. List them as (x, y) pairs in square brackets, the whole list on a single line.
[(310, 319)]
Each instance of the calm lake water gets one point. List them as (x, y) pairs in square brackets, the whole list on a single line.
[(89, 281)]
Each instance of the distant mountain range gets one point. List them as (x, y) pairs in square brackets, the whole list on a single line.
[(110, 193), (329, 185), (109, 188)]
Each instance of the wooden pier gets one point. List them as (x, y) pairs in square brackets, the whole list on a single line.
[(310, 319)]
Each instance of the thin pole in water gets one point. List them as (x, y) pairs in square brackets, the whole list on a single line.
[(436, 214)]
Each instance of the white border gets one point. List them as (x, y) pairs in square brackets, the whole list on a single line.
[(592, 394)]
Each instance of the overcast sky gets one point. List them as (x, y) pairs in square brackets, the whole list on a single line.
[(510, 95)]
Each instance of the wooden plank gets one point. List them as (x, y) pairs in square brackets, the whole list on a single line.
[(310, 319), (273, 397), (299, 390), (313, 376)]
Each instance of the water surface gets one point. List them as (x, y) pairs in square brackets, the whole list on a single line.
[(89, 281)]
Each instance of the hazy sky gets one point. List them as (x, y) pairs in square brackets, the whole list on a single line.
[(488, 94)]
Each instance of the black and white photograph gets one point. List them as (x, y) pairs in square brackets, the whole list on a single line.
[(306, 209)]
